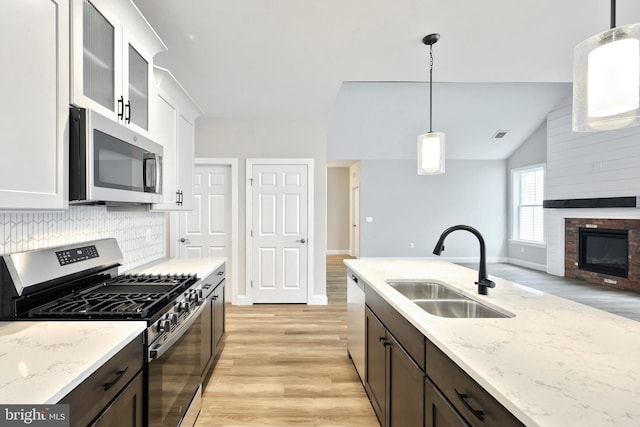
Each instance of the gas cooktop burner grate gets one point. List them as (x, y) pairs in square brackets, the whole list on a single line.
[(128, 297)]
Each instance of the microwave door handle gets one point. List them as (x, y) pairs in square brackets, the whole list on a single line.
[(149, 173), (158, 175)]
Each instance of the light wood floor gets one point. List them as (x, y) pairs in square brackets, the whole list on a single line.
[(287, 365)]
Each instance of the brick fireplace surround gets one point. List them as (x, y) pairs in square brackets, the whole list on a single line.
[(571, 270)]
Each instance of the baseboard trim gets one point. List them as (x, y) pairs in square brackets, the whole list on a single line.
[(242, 300), (531, 265), (318, 300), (338, 252)]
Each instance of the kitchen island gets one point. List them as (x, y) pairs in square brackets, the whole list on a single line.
[(555, 363), (41, 361)]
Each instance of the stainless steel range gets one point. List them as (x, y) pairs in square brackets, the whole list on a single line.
[(80, 282)]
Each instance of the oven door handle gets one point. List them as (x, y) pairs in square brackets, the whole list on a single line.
[(157, 352)]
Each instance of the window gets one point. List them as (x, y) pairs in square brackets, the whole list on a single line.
[(528, 194)]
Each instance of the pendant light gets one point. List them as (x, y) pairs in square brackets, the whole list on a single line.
[(431, 144), (606, 79)]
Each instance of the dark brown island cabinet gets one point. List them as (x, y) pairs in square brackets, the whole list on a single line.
[(112, 395), (411, 382), (213, 323)]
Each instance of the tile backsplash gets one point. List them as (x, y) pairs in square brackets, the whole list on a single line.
[(141, 235)]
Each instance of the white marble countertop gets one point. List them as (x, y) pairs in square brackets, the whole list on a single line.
[(556, 363), (200, 266), (41, 362)]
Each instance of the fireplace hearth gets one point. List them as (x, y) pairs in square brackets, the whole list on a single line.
[(603, 251)]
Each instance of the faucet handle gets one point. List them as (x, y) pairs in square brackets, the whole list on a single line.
[(483, 286)]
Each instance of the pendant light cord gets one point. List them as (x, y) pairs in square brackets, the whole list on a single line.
[(613, 14), (431, 87)]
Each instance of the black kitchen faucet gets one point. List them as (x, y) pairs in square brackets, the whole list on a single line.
[(483, 283)]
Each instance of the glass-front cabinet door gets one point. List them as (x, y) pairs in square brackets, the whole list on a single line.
[(112, 50), (98, 56), (137, 107)]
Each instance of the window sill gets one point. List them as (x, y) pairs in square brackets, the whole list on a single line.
[(527, 243)]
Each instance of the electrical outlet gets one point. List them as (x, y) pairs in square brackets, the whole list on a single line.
[(411, 245), (368, 219)]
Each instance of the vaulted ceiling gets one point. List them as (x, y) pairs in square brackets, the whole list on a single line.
[(289, 58)]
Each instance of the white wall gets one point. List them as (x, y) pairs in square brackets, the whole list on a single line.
[(407, 208), (533, 151), (590, 164), (271, 138), (586, 165), (338, 224)]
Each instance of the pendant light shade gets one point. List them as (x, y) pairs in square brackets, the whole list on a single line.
[(431, 144), (606, 79), (431, 153)]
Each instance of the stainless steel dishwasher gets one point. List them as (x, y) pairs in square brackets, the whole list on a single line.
[(355, 322)]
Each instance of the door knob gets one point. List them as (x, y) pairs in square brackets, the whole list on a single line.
[(301, 241), (183, 240)]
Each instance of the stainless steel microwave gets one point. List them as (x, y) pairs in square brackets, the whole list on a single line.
[(110, 163)]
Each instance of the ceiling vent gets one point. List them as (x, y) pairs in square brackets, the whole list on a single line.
[(499, 134)]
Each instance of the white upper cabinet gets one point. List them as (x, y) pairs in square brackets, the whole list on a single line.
[(34, 119), (175, 113), (112, 46)]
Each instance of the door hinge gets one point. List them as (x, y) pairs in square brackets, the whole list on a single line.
[(251, 181), (251, 233), (252, 283)]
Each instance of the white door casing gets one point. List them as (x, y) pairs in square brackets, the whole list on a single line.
[(279, 230)]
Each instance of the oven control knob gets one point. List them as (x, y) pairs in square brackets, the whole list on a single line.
[(191, 296), (184, 307), (164, 325), (174, 319)]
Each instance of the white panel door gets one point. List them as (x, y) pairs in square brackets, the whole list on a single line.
[(205, 231), (279, 233)]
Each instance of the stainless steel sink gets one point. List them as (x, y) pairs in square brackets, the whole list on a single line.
[(424, 290), (456, 308)]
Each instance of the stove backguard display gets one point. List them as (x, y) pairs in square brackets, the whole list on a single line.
[(70, 256)]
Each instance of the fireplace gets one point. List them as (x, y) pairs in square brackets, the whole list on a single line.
[(605, 251)]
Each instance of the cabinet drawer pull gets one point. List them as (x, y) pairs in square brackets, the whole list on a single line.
[(477, 413), (381, 339), (354, 278), (119, 375)]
